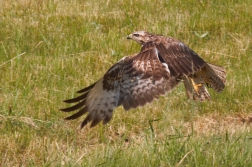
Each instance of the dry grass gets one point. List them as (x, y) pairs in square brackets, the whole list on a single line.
[(51, 49)]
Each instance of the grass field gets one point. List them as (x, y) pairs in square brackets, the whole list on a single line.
[(50, 49)]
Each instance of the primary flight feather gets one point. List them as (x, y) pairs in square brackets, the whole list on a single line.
[(131, 82), (136, 80), (185, 64)]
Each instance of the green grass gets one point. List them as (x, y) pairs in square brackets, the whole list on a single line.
[(51, 49)]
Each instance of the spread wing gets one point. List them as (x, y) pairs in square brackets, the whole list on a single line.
[(196, 73), (179, 57), (131, 82)]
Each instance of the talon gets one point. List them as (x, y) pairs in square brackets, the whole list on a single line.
[(196, 86)]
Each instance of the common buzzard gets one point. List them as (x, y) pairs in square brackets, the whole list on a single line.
[(136, 80), (185, 64)]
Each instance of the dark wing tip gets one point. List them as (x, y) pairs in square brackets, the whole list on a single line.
[(95, 122), (70, 100), (78, 114), (77, 99), (74, 107), (86, 121), (87, 88), (65, 109)]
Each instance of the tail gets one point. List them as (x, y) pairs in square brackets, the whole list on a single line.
[(220, 71), (211, 75), (214, 76)]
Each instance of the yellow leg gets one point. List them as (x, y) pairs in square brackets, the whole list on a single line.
[(196, 86)]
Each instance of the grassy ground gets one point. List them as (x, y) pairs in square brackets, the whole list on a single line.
[(50, 49)]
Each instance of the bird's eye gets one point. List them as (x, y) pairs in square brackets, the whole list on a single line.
[(136, 35)]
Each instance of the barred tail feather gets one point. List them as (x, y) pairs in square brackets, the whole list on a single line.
[(212, 79), (220, 71)]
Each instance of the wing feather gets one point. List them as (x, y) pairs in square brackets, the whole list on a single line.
[(184, 64), (133, 81), (75, 107), (180, 58)]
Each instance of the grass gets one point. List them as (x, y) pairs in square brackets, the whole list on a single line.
[(51, 49)]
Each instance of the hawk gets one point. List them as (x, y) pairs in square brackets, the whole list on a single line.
[(133, 81), (186, 65), (138, 79)]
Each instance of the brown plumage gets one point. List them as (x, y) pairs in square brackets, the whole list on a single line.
[(131, 82), (185, 64), (139, 79)]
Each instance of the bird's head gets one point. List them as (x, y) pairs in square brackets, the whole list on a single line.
[(140, 37)]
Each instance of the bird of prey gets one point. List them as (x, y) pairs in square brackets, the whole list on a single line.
[(133, 81), (186, 65), (138, 79)]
